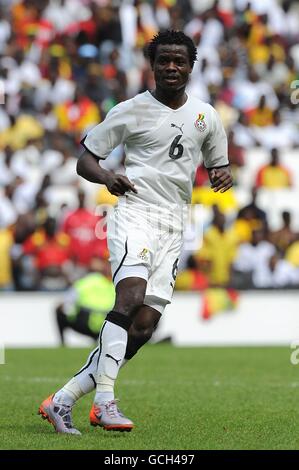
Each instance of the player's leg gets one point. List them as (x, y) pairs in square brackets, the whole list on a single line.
[(142, 329), (144, 324), (127, 244), (84, 382), (130, 295), (57, 408), (130, 292)]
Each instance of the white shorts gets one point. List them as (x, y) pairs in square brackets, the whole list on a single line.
[(141, 247)]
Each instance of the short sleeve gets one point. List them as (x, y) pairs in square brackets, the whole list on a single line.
[(107, 135), (214, 148)]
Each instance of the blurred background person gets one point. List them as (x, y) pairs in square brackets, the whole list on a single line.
[(87, 301)]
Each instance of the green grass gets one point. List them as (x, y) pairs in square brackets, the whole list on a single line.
[(191, 398)]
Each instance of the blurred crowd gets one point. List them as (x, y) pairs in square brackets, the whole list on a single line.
[(65, 63)]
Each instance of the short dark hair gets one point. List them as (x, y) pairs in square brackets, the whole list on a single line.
[(172, 37)]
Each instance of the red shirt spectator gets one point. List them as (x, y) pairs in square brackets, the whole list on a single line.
[(81, 225), (77, 115), (48, 249)]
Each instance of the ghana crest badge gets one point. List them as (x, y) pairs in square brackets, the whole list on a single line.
[(200, 123)]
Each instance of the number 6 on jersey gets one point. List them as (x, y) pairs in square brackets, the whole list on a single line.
[(176, 150)]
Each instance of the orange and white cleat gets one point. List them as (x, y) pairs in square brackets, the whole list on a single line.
[(109, 417), (59, 415)]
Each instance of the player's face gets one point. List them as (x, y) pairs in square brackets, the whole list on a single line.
[(171, 67)]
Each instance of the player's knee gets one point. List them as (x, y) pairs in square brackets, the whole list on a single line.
[(144, 335), (143, 329), (130, 296), (146, 321), (130, 304)]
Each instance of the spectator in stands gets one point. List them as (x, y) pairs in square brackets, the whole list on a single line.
[(47, 118), (249, 218), (21, 130), (201, 176), (50, 251), (8, 211), (277, 272), (26, 161), (261, 115), (236, 155), (275, 71), (7, 173), (281, 134), (77, 115), (274, 175), (24, 193), (6, 242), (65, 172), (243, 227), (54, 90), (256, 211), (5, 30), (252, 259), (65, 13), (194, 276), (219, 249), (285, 236), (24, 272), (292, 253), (249, 91), (243, 134), (96, 85), (80, 225)]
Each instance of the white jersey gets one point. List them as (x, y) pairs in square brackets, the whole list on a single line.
[(162, 146)]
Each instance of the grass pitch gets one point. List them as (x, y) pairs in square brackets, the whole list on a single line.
[(191, 398)]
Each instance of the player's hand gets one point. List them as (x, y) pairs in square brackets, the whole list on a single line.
[(221, 179), (119, 184)]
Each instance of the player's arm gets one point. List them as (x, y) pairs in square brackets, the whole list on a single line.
[(221, 178), (215, 156), (89, 168), (98, 144)]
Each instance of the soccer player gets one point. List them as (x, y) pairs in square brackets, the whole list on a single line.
[(163, 131)]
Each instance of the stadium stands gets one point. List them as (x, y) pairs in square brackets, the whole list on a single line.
[(64, 64)]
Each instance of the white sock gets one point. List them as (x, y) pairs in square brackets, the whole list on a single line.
[(113, 343), (69, 393), (86, 377), (83, 382)]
